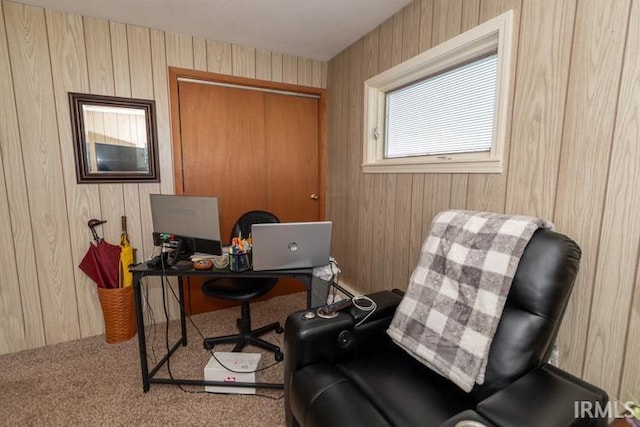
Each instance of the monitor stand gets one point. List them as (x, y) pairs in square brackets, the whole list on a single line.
[(179, 253)]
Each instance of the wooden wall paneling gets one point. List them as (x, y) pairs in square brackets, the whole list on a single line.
[(263, 64), (385, 185), (594, 79), (120, 56), (426, 25), (244, 61), (541, 85), (142, 86), (415, 231), (70, 74), (470, 14), (379, 242), (305, 72), (324, 73), (199, 54), (161, 95), (179, 53), (438, 200), (179, 50), (219, 57), (630, 378), (27, 37), (612, 335), (24, 327), (353, 147), (331, 205), (622, 191), (316, 74), (487, 192), (408, 33), (397, 184), (447, 19), (322, 154), (276, 67), (493, 8), (289, 69), (366, 207), (99, 61), (12, 335), (338, 159)]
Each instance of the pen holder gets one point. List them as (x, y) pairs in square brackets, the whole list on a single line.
[(240, 261)]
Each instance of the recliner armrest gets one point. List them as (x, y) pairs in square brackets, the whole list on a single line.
[(319, 340), (546, 396)]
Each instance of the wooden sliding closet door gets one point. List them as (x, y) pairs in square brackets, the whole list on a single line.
[(252, 149), (223, 148), (291, 124)]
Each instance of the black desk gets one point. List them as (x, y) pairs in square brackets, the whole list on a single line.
[(303, 274)]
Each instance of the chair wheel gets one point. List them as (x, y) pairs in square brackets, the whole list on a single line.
[(207, 346), (279, 330), (279, 356)]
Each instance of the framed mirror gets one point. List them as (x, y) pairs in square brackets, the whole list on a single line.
[(115, 139)]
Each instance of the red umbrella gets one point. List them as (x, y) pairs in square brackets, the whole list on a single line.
[(102, 261)]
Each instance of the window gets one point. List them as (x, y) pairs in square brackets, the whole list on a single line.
[(445, 109)]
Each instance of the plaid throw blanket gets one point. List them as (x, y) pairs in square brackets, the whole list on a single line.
[(457, 292)]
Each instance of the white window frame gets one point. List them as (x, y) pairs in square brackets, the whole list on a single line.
[(493, 36)]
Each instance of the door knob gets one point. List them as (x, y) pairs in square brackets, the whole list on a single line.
[(314, 196)]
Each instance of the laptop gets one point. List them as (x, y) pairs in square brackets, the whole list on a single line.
[(285, 245)]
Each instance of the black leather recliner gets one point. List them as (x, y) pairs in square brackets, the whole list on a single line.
[(337, 374)]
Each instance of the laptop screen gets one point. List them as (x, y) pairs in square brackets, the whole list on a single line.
[(288, 245)]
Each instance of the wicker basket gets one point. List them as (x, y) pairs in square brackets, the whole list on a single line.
[(119, 313)]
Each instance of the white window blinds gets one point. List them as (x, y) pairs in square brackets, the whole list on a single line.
[(448, 113)]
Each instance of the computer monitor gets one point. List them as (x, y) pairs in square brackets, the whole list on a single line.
[(193, 221)]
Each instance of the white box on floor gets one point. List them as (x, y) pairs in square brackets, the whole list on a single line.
[(232, 368)]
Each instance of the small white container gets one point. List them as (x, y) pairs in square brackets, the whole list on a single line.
[(241, 369)]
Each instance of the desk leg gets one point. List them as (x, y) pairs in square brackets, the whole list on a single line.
[(183, 322), (142, 343)]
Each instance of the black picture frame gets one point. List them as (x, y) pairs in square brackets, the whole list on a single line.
[(115, 139)]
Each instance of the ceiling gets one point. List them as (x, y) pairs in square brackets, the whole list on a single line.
[(317, 29)]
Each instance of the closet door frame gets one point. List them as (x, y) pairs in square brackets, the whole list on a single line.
[(181, 73)]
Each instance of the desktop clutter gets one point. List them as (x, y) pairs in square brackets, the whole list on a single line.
[(236, 257)]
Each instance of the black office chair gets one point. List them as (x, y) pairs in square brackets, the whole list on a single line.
[(244, 290)]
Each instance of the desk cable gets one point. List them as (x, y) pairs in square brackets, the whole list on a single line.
[(152, 321), (210, 351), (369, 306)]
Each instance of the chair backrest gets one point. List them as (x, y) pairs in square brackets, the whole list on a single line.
[(236, 288), (533, 310), (247, 219)]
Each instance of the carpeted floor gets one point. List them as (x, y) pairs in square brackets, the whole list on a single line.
[(90, 382)]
